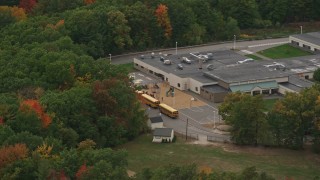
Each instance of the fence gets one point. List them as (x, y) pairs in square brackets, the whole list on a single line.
[(216, 139), (192, 136)]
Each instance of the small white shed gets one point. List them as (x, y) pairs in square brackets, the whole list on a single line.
[(161, 134), (155, 122)]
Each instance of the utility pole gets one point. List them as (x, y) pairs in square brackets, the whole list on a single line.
[(187, 129), (300, 29), (176, 48), (234, 42)]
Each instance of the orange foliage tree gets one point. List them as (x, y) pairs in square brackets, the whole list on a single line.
[(57, 25), (13, 153), (27, 5), (35, 106), (82, 170), (18, 13), (86, 2), (164, 20)]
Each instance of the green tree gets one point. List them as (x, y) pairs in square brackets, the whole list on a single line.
[(316, 75), (245, 113), (32, 141), (293, 117)]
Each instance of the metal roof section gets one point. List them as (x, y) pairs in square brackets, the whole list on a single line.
[(156, 119), (313, 37), (215, 89), (249, 87), (299, 82), (164, 132), (252, 71)]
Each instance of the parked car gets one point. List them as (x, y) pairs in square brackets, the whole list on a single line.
[(180, 66), (186, 60)]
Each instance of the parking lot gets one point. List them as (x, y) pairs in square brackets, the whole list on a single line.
[(201, 116)]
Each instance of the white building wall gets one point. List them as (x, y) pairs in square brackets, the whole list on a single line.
[(195, 85), (302, 42), (156, 125), (159, 139), (283, 90), (175, 81)]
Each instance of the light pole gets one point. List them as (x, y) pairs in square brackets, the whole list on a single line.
[(192, 99), (176, 47), (110, 58), (300, 29), (214, 121), (234, 42)]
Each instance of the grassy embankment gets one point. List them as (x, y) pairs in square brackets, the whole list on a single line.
[(280, 163)]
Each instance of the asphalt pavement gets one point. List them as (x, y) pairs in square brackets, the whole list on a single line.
[(253, 46)]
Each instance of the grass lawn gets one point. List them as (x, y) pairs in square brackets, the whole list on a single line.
[(127, 67), (142, 153), (268, 103), (253, 57), (283, 51)]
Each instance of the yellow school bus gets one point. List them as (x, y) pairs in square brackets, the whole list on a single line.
[(169, 111), (148, 100)]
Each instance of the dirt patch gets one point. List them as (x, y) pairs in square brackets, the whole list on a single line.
[(179, 100), (131, 173)]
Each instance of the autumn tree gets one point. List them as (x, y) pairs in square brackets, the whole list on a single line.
[(27, 5), (9, 154), (35, 106), (87, 2), (164, 20)]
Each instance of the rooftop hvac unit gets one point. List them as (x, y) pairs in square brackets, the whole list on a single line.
[(186, 60), (210, 56), (210, 67), (152, 55), (167, 62)]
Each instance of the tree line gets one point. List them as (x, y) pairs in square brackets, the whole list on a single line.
[(291, 122), (107, 26), (56, 96)]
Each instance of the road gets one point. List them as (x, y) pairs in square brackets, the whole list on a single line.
[(252, 46)]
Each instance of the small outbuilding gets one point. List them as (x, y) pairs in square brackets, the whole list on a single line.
[(163, 134), (155, 122)]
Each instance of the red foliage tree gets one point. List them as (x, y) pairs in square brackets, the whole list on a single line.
[(163, 19), (1, 121), (34, 105), (82, 170), (27, 5), (87, 2), (10, 154)]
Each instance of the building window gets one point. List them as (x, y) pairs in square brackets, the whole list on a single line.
[(166, 79), (196, 89), (136, 64), (306, 77), (178, 84), (142, 67), (150, 71)]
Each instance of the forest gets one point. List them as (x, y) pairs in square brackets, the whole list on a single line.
[(63, 105)]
